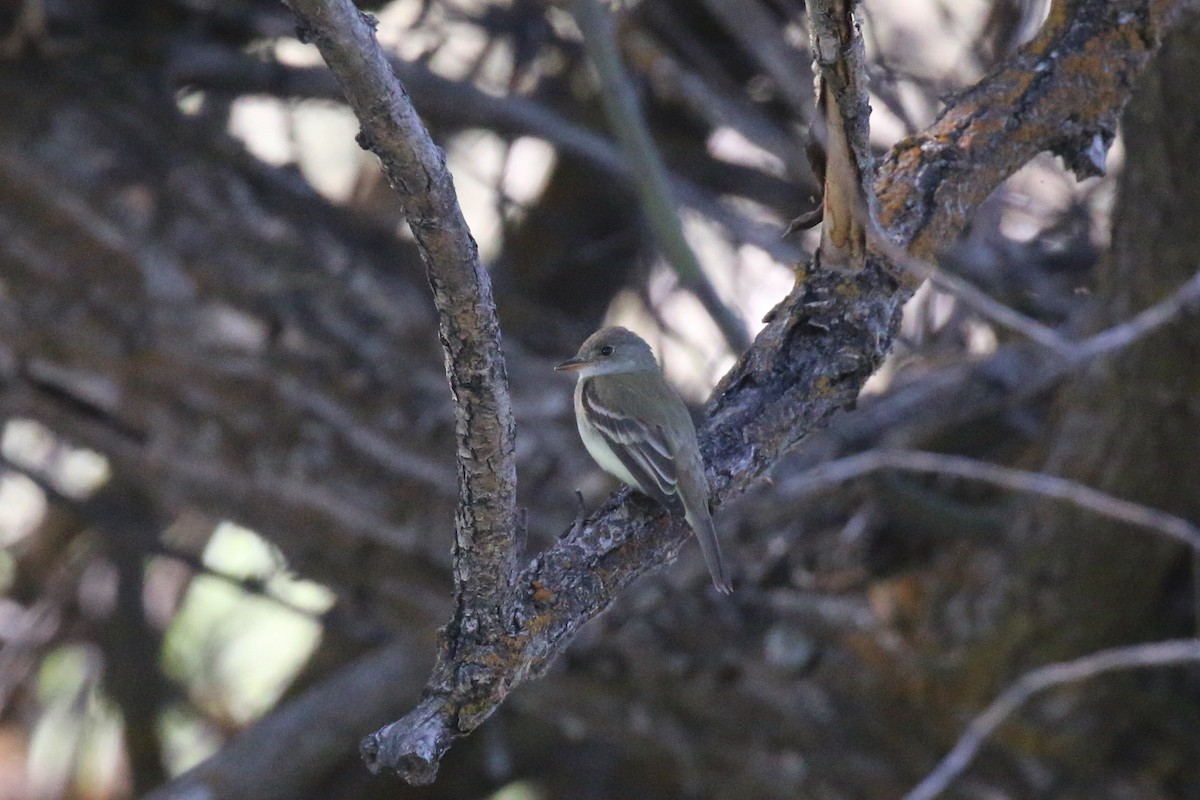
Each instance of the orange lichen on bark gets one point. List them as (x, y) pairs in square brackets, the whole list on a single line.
[(541, 594), (1051, 96)]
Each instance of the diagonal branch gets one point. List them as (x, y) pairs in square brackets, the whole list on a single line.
[(295, 747), (1039, 483), (1183, 299), (650, 176), (1063, 92), (1141, 656), (965, 292), (461, 104)]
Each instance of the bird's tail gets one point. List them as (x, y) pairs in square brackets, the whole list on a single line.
[(706, 534)]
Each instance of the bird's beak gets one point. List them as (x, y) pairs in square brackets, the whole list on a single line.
[(572, 364)]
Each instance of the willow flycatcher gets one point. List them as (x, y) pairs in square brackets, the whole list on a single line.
[(638, 430)]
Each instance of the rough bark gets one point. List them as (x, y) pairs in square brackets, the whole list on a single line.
[(1089, 50), (318, 414), (487, 528), (805, 365)]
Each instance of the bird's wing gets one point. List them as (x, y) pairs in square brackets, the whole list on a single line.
[(640, 445)]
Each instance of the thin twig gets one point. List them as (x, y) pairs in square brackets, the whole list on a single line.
[(650, 176), (1051, 486), (1145, 322), (1115, 338), (1158, 654), (403, 463), (674, 81), (974, 298)]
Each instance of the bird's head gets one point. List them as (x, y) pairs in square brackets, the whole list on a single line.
[(609, 351)]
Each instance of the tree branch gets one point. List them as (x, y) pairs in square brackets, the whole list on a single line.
[(1118, 337), (1062, 92), (486, 524), (817, 349), (283, 754), (488, 530), (650, 176), (967, 293), (834, 472), (842, 130), (1158, 654)]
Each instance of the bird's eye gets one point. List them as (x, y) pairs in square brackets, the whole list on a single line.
[(606, 350)]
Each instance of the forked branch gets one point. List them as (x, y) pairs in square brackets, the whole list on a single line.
[(818, 347)]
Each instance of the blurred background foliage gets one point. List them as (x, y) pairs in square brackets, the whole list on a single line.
[(227, 479)]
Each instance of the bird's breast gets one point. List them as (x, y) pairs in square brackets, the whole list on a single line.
[(597, 445)]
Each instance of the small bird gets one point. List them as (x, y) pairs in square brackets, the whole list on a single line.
[(637, 429)]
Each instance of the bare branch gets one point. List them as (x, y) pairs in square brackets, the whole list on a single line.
[(1062, 92), (486, 525), (409, 465), (858, 210), (1115, 338), (974, 298), (650, 175), (817, 349), (1039, 483), (1118, 337), (488, 529), (1142, 656), (850, 221)]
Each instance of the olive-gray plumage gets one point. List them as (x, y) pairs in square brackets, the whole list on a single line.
[(637, 429)]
